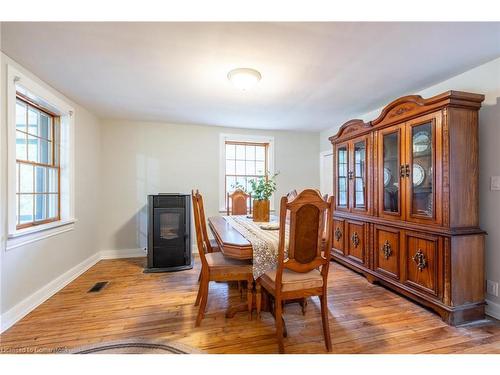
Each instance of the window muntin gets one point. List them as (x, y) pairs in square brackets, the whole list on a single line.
[(244, 161), (37, 164)]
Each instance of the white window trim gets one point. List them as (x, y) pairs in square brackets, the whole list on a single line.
[(17, 80), (34, 234), (223, 138)]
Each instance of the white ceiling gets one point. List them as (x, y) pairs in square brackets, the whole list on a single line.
[(314, 75)]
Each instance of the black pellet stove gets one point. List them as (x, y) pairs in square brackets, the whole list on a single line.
[(169, 233)]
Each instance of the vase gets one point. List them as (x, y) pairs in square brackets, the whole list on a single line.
[(261, 210)]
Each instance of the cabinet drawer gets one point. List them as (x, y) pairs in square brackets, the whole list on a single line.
[(355, 241), (422, 262), (387, 251), (338, 236)]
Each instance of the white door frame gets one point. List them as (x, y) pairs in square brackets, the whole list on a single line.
[(322, 179)]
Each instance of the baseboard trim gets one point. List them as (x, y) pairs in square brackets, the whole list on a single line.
[(194, 248), (23, 308), (493, 309), (125, 253)]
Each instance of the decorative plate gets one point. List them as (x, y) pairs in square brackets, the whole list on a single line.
[(387, 176), (270, 226), (421, 141), (418, 174)]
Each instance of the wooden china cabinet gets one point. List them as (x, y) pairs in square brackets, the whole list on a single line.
[(406, 210)]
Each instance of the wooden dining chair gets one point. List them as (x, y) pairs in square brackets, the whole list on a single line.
[(304, 272), (215, 266), (239, 203), (211, 244)]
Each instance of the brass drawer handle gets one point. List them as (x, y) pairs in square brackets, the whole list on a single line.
[(338, 234), (419, 259), (386, 249), (404, 170), (355, 239)]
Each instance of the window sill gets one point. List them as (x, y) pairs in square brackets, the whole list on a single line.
[(39, 232), (224, 211)]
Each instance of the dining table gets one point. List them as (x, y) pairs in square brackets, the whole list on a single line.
[(233, 244), (240, 237)]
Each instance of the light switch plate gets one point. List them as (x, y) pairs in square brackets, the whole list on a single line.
[(495, 183), (492, 288)]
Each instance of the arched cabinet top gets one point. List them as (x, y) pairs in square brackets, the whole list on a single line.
[(408, 107), (351, 127)]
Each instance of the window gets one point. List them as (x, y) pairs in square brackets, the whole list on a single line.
[(37, 164), (243, 159), (40, 163), (244, 162)]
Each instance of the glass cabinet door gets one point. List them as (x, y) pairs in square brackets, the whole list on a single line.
[(359, 175), (389, 172), (421, 169), (342, 179)]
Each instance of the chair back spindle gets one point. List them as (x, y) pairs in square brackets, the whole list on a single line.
[(199, 225)]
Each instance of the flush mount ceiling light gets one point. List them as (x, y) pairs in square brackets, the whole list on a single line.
[(244, 78)]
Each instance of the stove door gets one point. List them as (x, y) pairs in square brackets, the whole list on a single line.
[(170, 238)]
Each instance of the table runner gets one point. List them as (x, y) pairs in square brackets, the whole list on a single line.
[(264, 243)]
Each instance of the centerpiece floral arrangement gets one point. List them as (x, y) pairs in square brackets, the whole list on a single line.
[(263, 188)]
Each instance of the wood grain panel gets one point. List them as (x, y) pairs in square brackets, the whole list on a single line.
[(355, 241), (338, 236), (467, 269), (464, 167), (422, 273), (387, 251)]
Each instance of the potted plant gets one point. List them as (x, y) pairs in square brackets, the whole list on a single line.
[(262, 189)]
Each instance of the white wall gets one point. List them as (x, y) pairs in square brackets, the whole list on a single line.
[(141, 158), (484, 79), (27, 269)]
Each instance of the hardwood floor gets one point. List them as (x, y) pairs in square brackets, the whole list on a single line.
[(364, 318)]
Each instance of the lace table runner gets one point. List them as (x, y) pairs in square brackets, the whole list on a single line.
[(264, 243)]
